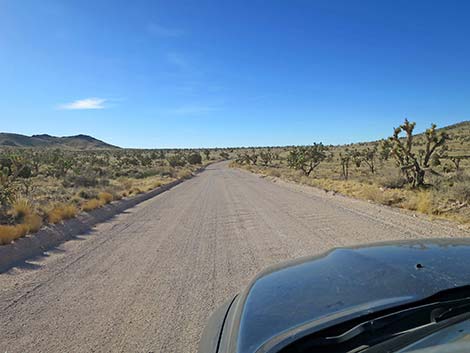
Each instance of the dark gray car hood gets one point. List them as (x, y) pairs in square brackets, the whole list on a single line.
[(289, 301)]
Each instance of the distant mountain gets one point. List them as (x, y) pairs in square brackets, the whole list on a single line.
[(79, 142)]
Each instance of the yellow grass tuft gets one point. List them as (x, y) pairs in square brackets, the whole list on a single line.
[(21, 208), (183, 174), (157, 184), (10, 233), (425, 203), (91, 205), (60, 212), (105, 197), (135, 191), (32, 223)]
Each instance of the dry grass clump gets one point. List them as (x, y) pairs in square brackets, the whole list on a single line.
[(10, 233), (421, 201), (91, 205), (21, 208), (135, 191), (184, 174), (22, 213), (31, 223), (274, 173), (425, 203), (126, 183), (60, 212), (157, 184), (105, 197)]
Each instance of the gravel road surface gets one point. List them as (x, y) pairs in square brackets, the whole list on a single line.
[(147, 280)]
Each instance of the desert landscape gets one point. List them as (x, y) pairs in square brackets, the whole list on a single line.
[(234, 176), (170, 259), (47, 182)]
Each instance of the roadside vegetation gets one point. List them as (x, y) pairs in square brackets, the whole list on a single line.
[(44, 185), (428, 172)]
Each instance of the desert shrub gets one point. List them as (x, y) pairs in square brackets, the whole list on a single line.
[(167, 171), (425, 202), (176, 160), (125, 183), (183, 174), (87, 194), (60, 212), (105, 197), (81, 180), (156, 184), (460, 177), (194, 158), (86, 178), (224, 155), (372, 193), (21, 208), (274, 173), (393, 182), (8, 233), (31, 223), (150, 172), (135, 191), (461, 191), (117, 196), (92, 204)]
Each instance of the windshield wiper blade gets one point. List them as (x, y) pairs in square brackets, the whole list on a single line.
[(378, 329), (403, 320), (404, 339)]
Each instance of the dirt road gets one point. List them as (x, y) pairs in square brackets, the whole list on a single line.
[(147, 280)]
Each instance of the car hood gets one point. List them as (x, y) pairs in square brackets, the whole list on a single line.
[(292, 300)]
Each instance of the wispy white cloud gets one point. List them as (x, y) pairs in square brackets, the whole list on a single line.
[(162, 31), (83, 104)]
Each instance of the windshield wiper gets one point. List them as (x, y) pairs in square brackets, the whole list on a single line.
[(406, 338), (403, 321), (426, 315)]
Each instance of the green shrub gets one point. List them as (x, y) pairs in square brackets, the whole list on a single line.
[(194, 158)]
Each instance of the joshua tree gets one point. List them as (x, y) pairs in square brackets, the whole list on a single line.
[(456, 161), (307, 158), (345, 158), (224, 155), (207, 153), (414, 163), (266, 157), (366, 156)]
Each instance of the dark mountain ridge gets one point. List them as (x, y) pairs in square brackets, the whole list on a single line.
[(80, 142)]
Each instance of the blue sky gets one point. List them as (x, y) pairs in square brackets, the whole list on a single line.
[(232, 73)]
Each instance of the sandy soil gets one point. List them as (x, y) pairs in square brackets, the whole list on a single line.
[(147, 280)]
